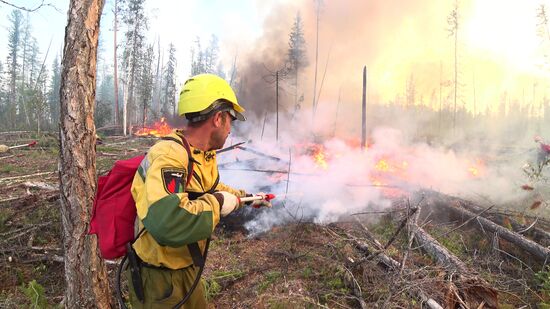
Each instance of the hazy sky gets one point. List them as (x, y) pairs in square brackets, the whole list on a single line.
[(179, 22), (500, 54)]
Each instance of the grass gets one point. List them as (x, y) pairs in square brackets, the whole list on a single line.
[(213, 285), (9, 168), (269, 279)]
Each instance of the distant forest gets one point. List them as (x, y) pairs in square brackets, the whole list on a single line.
[(137, 85)]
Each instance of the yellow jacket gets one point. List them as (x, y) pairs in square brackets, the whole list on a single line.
[(171, 219)]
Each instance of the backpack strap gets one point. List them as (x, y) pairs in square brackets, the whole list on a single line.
[(183, 141), (196, 195), (198, 259)]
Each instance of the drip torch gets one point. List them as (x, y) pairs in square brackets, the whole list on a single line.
[(268, 197), (5, 148)]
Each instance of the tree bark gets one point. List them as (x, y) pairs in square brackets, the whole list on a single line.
[(85, 273)]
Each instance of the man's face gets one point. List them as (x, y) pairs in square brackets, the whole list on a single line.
[(222, 132)]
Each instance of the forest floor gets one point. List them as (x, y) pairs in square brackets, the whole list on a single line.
[(298, 265)]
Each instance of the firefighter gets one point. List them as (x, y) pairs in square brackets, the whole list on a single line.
[(173, 215)]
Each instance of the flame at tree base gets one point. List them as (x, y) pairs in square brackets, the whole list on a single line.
[(158, 129)]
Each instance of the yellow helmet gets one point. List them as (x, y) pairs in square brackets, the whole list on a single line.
[(201, 91)]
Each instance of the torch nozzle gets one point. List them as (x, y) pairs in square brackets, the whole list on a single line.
[(268, 197)]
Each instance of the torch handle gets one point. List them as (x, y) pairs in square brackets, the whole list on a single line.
[(25, 145), (268, 197)]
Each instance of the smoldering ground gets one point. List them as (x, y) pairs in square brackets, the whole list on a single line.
[(321, 178)]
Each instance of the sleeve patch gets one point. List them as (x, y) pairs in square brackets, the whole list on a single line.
[(173, 180)]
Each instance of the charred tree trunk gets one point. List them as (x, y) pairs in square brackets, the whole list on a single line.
[(85, 273), (364, 110)]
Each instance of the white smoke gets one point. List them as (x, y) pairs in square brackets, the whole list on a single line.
[(354, 179)]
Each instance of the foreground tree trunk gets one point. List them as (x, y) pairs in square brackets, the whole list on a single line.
[(85, 274)]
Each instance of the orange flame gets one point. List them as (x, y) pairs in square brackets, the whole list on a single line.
[(476, 168), (382, 166), (158, 129), (319, 158)]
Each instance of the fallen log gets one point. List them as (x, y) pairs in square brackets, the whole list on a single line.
[(389, 264), (539, 252), (471, 289), (539, 235)]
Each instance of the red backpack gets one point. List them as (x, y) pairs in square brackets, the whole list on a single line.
[(114, 211)]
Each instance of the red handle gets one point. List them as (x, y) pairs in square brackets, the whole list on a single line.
[(269, 196)]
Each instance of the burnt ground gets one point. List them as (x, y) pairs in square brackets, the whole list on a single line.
[(299, 265)]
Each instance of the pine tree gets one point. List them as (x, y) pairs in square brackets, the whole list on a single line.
[(296, 54), (53, 93), (211, 55), (3, 100), (87, 282), (14, 45), (169, 103), (145, 79), (197, 58), (136, 21), (206, 60), (104, 101)]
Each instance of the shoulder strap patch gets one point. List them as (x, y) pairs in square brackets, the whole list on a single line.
[(182, 141)]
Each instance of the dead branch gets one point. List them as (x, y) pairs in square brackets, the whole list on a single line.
[(40, 185), (392, 265), (26, 229), (23, 231), (9, 199), (7, 157), (356, 288), (6, 179), (474, 289), (411, 228), (30, 10), (401, 226)]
